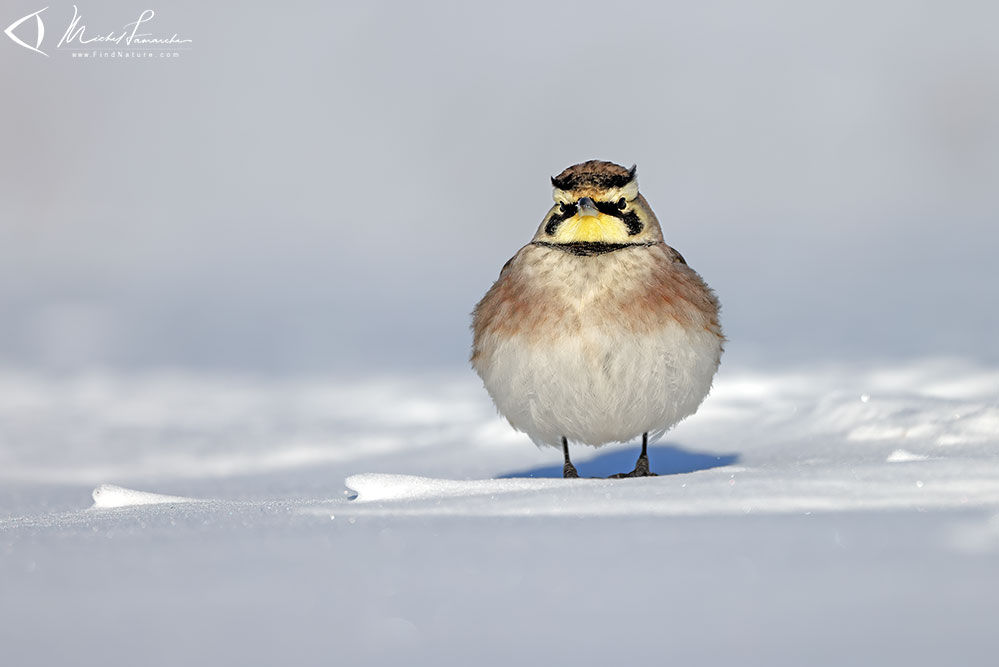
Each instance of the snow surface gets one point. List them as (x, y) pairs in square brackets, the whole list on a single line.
[(829, 168), (823, 517), (109, 495)]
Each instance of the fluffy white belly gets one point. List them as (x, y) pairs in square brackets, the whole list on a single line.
[(601, 385)]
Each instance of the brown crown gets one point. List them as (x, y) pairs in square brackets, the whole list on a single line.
[(595, 174)]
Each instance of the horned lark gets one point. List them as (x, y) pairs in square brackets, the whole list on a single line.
[(597, 331)]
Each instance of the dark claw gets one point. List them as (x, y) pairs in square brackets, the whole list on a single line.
[(641, 466), (633, 473)]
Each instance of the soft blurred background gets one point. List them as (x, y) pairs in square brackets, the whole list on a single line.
[(326, 187), (244, 275)]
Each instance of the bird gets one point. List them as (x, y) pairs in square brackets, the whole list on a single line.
[(597, 331)]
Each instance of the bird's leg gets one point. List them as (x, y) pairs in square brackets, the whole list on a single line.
[(642, 465), (568, 470)]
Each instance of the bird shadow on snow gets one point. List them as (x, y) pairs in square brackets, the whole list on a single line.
[(664, 459)]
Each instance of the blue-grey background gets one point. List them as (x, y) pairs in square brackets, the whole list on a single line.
[(332, 186), (244, 277)]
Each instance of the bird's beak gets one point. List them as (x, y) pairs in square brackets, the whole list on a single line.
[(587, 208)]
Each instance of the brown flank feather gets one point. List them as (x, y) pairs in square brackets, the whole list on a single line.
[(638, 290)]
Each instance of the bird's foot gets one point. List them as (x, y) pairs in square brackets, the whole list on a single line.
[(641, 470), (569, 471), (633, 473)]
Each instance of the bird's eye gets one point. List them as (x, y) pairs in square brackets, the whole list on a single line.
[(621, 203)]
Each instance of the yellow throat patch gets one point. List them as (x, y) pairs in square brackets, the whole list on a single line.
[(599, 228)]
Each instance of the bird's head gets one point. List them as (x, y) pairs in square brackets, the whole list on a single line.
[(598, 202)]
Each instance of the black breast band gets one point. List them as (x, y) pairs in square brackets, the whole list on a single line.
[(590, 248)]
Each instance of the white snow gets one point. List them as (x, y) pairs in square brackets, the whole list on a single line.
[(709, 492), (109, 495), (219, 272), (370, 487), (903, 456), (399, 520)]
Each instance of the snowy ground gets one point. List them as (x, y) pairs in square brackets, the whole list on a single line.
[(822, 517), (331, 188)]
